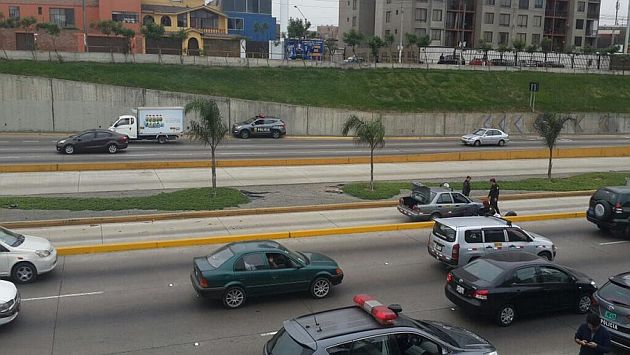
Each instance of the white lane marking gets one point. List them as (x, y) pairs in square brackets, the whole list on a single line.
[(617, 242), (64, 296), (30, 141), (268, 334)]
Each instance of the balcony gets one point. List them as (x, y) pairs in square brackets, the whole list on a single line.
[(212, 31)]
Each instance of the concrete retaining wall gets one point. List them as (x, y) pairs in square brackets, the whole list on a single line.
[(49, 105)]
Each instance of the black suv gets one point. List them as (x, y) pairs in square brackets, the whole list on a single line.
[(369, 327), (612, 304), (609, 209), (260, 126)]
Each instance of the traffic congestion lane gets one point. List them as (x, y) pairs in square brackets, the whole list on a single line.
[(147, 304)]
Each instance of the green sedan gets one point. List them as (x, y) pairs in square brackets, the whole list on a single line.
[(256, 268)]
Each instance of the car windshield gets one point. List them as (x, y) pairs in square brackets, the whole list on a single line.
[(434, 330), (483, 270), (616, 294), (11, 238), (479, 132), (283, 344), (219, 257), (444, 232)]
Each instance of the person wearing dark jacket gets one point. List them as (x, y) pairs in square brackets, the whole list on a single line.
[(466, 188), (592, 338), (493, 195)]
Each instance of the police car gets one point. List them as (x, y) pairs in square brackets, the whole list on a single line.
[(369, 327), (260, 126)]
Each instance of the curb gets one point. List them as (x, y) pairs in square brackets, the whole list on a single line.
[(582, 152), (187, 242), (255, 211)]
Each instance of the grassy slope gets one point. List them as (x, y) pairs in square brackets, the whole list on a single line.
[(385, 90)]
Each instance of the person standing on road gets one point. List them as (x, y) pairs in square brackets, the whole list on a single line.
[(493, 195), (466, 188), (592, 338)]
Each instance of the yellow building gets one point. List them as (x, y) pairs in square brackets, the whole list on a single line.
[(205, 27)]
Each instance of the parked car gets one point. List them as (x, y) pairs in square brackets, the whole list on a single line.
[(486, 136), (530, 63), (93, 140), (552, 64), (479, 61), (254, 268), (354, 60), (24, 257), (260, 126), (612, 304), (502, 62), (609, 209), (427, 203), (458, 241), (9, 302), (507, 285), (369, 327), (451, 59)]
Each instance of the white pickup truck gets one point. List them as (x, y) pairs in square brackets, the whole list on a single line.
[(157, 123)]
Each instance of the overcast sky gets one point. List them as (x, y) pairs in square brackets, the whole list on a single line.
[(326, 12)]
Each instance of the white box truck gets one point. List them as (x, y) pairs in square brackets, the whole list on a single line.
[(159, 123)]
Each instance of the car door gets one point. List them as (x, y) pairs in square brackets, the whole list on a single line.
[(486, 137), (84, 141), (494, 240), (258, 127), (519, 240), (101, 139), (415, 344), (444, 204), (287, 275), (560, 289), (460, 205), (376, 345), (474, 247), (524, 289), (4, 260), (252, 271)]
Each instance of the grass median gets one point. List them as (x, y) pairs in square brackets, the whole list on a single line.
[(581, 182), (184, 200)]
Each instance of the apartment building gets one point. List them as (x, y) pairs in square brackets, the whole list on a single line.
[(357, 15)]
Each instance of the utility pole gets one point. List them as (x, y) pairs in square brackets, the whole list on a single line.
[(616, 23), (84, 27), (625, 47), (400, 44)]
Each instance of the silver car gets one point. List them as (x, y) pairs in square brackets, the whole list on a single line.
[(427, 203), (458, 241), (486, 136)]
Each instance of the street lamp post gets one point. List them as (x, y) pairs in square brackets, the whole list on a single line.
[(400, 44), (305, 20)]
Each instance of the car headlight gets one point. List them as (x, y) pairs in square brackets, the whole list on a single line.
[(493, 353), (43, 253), (4, 307), (61, 142), (594, 284)]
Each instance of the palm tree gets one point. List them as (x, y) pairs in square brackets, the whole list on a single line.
[(371, 134), (549, 126), (210, 129)]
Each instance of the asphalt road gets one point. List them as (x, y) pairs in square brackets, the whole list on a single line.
[(143, 303), (41, 148), (251, 224)]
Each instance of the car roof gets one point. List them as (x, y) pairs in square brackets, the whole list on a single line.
[(618, 189), (622, 279), (255, 245), (474, 221)]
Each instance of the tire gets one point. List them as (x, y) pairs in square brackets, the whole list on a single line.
[(435, 215), (69, 149), (275, 134), (112, 149), (320, 287), (234, 297), (162, 139), (602, 210), (501, 143), (244, 134), (477, 143), (506, 315), (23, 273), (545, 254), (583, 303)]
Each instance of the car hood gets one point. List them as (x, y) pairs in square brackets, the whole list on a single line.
[(34, 243), (539, 238), (7, 291), (468, 136), (464, 338), (319, 259)]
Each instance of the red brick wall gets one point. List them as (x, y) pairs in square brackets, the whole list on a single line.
[(67, 41)]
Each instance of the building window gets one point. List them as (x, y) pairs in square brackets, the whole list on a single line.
[(521, 37), (537, 21), (62, 17), (539, 4), (421, 14), (504, 19), (535, 39), (182, 20), (504, 37), (14, 12), (523, 4), (39, 10), (388, 16), (354, 21), (147, 20), (126, 17), (165, 21), (521, 20), (436, 35), (354, 4), (489, 2), (578, 41), (581, 6), (437, 15), (235, 24), (506, 3), (387, 32), (487, 37), (488, 18), (579, 24)]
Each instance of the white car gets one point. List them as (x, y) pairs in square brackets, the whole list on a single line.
[(23, 257), (9, 302), (486, 136)]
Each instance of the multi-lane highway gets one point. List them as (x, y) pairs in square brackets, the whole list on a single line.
[(41, 148), (142, 302)]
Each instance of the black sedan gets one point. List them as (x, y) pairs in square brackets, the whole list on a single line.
[(93, 140), (510, 284)]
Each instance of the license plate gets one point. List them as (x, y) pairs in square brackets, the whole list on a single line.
[(610, 325), (610, 315), (438, 247), (460, 289)]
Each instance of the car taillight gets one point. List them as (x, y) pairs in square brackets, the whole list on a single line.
[(339, 271), (480, 294), (203, 282), (455, 253), (449, 278), (618, 208)]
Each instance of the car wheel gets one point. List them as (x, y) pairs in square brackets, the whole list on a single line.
[(69, 149), (275, 134), (506, 315), (23, 273), (435, 215), (545, 254), (244, 134), (112, 148), (162, 139), (320, 288), (234, 297), (602, 210), (477, 143), (583, 304), (501, 143)]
